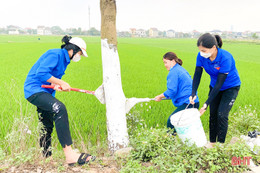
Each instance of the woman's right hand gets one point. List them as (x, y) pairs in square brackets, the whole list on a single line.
[(55, 81), (65, 86), (57, 87), (159, 97), (192, 99)]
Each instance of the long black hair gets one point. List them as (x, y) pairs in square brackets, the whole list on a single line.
[(207, 40), (172, 56), (68, 46)]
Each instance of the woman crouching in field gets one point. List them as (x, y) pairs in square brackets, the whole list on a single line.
[(49, 69), (179, 85), (224, 85)]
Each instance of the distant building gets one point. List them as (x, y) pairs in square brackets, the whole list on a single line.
[(216, 32), (179, 35), (153, 32), (123, 34), (13, 29), (13, 32), (238, 35), (195, 34), (28, 30), (170, 33), (247, 34), (133, 32), (140, 33), (228, 35), (42, 30), (47, 31)]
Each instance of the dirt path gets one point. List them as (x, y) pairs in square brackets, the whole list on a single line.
[(101, 165)]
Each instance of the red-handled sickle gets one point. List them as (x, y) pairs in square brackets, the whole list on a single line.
[(72, 89), (100, 95), (99, 92)]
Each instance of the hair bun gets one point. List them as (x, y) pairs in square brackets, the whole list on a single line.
[(66, 39)]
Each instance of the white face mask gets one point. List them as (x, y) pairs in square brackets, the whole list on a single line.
[(76, 57), (205, 55)]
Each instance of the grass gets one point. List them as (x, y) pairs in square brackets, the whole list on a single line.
[(143, 75), (157, 151)]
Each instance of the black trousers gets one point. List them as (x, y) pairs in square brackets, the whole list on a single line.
[(51, 110), (219, 111)]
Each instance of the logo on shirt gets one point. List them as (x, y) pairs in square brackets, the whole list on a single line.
[(216, 66)]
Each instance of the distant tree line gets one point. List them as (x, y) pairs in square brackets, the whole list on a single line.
[(54, 30), (57, 30)]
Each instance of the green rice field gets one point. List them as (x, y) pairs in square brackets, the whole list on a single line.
[(143, 75)]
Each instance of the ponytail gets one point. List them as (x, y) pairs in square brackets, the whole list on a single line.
[(219, 41), (65, 40), (172, 56), (208, 41), (179, 61)]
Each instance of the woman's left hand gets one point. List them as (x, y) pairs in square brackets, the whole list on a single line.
[(203, 109)]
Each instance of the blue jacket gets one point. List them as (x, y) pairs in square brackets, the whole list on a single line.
[(52, 63), (179, 86), (224, 63)]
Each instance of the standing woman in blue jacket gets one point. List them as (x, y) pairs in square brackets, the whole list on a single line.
[(179, 85), (224, 85), (49, 69)]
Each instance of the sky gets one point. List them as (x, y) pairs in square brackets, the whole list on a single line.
[(179, 15)]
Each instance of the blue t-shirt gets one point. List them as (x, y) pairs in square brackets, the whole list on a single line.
[(179, 86), (224, 63), (52, 63)]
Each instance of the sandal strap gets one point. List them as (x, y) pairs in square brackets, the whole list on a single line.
[(83, 158)]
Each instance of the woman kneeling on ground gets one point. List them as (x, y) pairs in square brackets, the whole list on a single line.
[(49, 69), (179, 86), (224, 84)]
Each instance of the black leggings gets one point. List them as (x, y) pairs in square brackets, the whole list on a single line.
[(219, 110), (51, 109)]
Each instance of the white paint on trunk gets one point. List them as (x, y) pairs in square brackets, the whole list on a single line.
[(114, 97)]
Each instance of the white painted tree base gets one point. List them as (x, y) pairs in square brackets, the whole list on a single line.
[(114, 97)]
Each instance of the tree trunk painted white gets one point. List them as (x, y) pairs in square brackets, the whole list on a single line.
[(114, 95), (115, 98)]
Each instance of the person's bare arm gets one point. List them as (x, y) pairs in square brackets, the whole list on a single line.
[(60, 83)]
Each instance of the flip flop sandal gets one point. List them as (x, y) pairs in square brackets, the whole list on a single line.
[(83, 159)]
